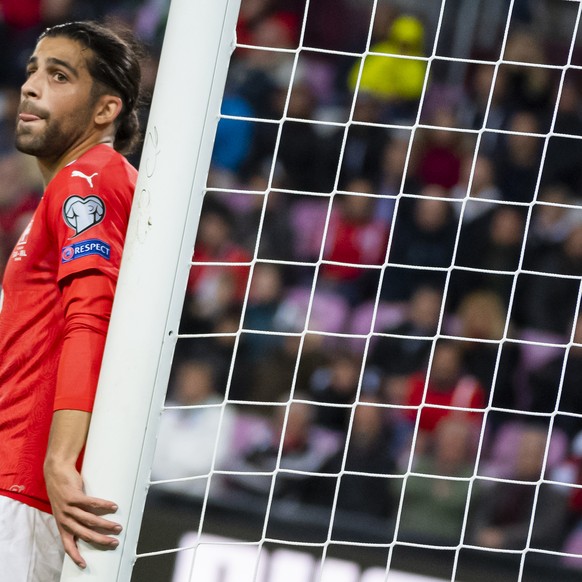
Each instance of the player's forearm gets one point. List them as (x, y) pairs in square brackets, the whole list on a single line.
[(67, 437), (77, 515)]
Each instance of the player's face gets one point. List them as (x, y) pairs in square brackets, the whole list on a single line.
[(56, 105)]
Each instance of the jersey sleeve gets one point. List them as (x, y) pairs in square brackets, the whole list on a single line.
[(87, 300), (89, 215)]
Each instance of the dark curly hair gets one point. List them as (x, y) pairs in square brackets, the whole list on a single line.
[(114, 65)]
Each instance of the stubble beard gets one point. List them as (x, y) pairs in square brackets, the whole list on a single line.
[(48, 144), (56, 138)]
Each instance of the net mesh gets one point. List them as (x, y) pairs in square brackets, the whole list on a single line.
[(380, 343)]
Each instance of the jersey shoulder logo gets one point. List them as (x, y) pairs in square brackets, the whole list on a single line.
[(85, 248), (78, 174), (83, 213)]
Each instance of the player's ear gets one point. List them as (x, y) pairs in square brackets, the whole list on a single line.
[(107, 109)]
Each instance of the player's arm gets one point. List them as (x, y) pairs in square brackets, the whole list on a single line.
[(78, 516), (87, 298)]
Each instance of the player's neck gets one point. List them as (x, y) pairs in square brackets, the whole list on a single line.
[(50, 167)]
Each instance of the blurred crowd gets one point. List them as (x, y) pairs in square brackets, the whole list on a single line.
[(386, 277)]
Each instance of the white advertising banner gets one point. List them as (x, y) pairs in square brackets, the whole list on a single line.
[(217, 559)]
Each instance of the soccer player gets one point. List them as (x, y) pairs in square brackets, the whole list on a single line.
[(77, 116)]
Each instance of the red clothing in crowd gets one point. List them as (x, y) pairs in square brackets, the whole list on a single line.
[(21, 13), (205, 279), (466, 393), (440, 166), (358, 243), (289, 22)]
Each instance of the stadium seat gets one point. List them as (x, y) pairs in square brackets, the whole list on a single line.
[(388, 315), (329, 311), (307, 219), (573, 545), (501, 458)]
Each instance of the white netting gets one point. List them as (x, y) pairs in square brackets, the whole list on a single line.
[(379, 352)]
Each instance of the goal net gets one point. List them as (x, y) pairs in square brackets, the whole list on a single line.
[(376, 372)]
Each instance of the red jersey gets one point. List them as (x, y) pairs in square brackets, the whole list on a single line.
[(204, 280), (78, 227), (466, 393), (355, 243)]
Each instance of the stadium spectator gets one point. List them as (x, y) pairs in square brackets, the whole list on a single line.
[(354, 237), (218, 348), (350, 25), (193, 416), (9, 99), (392, 180), (286, 367), (254, 13), (569, 471), (308, 157), (365, 143), (554, 386), (20, 24), (288, 450), (394, 355), (481, 319), (501, 514), (398, 82), (335, 387), (444, 390), (492, 247), (435, 497), (394, 390), (305, 158), (484, 105), (553, 217), (261, 77), (371, 449), (548, 303), (528, 88), (265, 295), (561, 163), (216, 288), (518, 158), (234, 138), (371, 456), (276, 235), (500, 248), (482, 188), (424, 236), (439, 159), (77, 115)]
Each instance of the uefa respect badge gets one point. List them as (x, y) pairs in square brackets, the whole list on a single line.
[(85, 248)]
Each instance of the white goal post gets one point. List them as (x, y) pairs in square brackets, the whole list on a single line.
[(200, 37)]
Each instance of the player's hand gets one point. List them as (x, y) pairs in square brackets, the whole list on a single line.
[(79, 516)]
